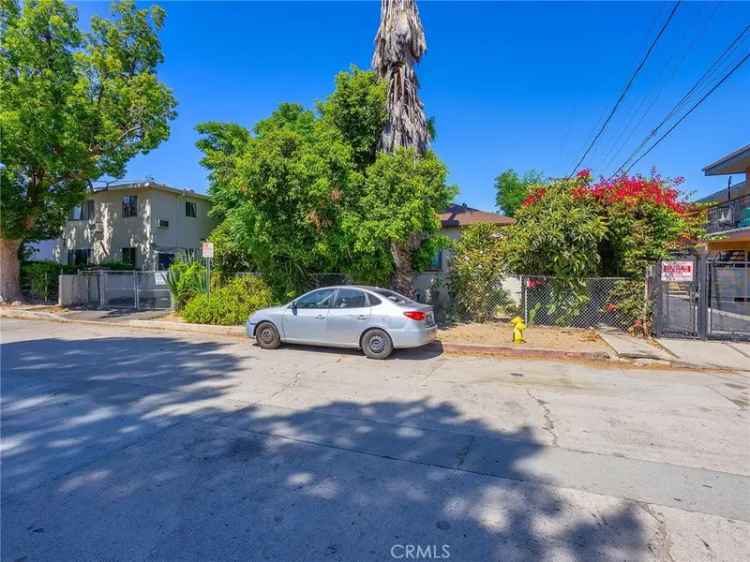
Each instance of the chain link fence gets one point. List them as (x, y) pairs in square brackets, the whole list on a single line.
[(586, 303), (139, 290)]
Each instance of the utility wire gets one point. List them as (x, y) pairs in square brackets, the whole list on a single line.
[(693, 108), (624, 139), (627, 86), (698, 84)]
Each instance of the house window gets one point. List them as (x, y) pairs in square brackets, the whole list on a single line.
[(163, 223), (130, 206), (128, 256), (437, 261), (191, 209), (79, 257), (83, 212)]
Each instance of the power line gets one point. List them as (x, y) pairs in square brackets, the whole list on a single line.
[(698, 85), (624, 139), (627, 86), (695, 106)]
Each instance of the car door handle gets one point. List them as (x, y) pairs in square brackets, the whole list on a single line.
[(362, 317), (320, 317)]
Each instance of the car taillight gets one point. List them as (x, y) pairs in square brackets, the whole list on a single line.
[(415, 314)]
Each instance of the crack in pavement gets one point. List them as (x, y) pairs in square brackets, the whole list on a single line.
[(294, 382), (549, 425), (462, 453), (664, 548)]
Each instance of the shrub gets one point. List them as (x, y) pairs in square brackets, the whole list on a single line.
[(229, 305), (475, 281), (39, 279), (186, 278)]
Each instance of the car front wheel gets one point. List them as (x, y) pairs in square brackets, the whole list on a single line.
[(267, 336), (377, 344)]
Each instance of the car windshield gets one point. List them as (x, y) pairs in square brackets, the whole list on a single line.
[(395, 297)]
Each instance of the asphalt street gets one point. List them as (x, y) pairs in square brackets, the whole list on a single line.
[(120, 444)]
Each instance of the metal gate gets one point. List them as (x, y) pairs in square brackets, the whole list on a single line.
[(728, 311), (677, 304), (714, 304)]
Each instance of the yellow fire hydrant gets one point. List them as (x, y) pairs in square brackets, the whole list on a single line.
[(518, 328)]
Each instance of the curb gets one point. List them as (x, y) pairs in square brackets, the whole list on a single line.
[(480, 349), (233, 331), (448, 347)]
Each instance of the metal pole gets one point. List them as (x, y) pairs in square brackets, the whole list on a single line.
[(209, 279)]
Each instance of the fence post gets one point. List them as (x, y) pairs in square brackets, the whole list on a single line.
[(524, 299), (101, 285), (135, 289), (701, 282)]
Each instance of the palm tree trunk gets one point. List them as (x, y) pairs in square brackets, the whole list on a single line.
[(399, 45)]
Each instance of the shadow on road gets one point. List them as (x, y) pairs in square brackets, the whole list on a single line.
[(133, 448)]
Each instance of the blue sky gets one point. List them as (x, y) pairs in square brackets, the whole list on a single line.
[(510, 85)]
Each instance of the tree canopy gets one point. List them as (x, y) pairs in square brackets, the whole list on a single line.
[(576, 228), (307, 192), (512, 189), (74, 107)]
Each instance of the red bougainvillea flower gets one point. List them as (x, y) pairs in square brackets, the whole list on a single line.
[(637, 190), (611, 307), (584, 174), (534, 197)]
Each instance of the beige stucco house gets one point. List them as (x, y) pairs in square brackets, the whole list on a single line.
[(143, 223)]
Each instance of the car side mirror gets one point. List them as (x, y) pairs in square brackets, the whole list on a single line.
[(293, 306)]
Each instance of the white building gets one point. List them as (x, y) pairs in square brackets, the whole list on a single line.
[(143, 223)]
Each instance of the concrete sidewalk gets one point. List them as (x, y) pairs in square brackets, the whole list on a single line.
[(709, 354), (703, 354)]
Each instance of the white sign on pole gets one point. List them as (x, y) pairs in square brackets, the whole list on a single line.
[(682, 270), (208, 249)]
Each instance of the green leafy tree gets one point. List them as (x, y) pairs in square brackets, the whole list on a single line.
[(307, 192), (512, 189), (555, 234), (397, 207), (74, 107)]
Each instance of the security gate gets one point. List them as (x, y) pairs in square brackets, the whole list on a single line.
[(728, 312), (676, 298), (702, 298)]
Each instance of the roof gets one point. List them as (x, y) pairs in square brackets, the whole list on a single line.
[(735, 163), (461, 215), (724, 195), (151, 185)]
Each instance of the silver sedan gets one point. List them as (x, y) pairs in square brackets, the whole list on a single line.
[(368, 318)]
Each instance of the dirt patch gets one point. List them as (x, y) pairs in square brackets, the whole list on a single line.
[(537, 337)]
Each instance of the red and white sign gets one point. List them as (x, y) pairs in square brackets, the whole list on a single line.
[(208, 249), (677, 270)]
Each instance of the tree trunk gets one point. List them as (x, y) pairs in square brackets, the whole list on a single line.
[(399, 45), (10, 270), (403, 273)]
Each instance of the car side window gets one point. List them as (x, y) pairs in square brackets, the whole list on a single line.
[(316, 299), (350, 298), (374, 301)]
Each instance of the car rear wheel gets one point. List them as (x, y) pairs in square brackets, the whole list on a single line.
[(377, 344), (267, 336)]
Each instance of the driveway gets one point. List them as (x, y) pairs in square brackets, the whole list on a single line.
[(126, 445)]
